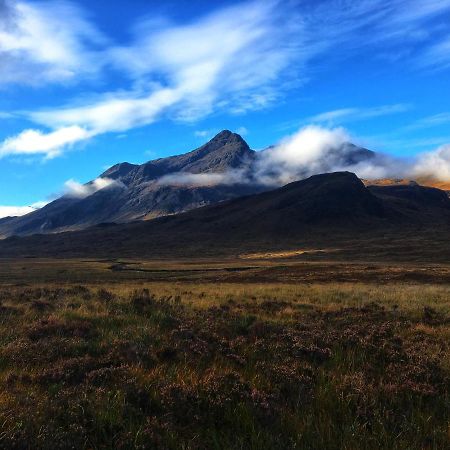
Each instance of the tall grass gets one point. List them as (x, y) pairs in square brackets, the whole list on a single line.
[(225, 366)]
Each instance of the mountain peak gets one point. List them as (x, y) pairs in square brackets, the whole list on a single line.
[(227, 136), (118, 171), (223, 134)]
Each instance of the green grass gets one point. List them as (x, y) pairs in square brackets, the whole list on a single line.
[(223, 365)]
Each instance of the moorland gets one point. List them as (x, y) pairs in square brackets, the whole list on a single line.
[(263, 352)]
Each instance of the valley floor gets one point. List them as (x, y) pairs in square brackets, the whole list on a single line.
[(264, 352)]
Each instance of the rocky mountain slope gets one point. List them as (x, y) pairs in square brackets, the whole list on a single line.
[(223, 169), (161, 187), (138, 192), (316, 209)]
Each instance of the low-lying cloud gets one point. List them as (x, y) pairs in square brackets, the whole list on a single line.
[(203, 179), (77, 190), (310, 151), (435, 164), (72, 189), (313, 150), (15, 211)]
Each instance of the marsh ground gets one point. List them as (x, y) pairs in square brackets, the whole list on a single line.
[(264, 353)]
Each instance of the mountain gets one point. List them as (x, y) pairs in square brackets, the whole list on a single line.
[(313, 210), (5, 220), (137, 191), (225, 151), (223, 169), (220, 170)]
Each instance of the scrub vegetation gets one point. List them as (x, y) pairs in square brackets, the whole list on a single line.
[(224, 365)]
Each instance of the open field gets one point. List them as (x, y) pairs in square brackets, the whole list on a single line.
[(212, 270), (262, 353)]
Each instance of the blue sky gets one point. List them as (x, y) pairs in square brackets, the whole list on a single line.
[(85, 84)]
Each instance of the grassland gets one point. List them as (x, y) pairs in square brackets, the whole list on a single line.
[(250, 354)]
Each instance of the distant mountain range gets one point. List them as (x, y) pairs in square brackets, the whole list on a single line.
[(317, 209), (225, 168), (157, 188)]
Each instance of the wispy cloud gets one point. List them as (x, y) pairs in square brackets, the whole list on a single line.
[(235, 59), (203, 179), (6, 115), (45, 42), (429, 122), (347, 115), (13, 211), (205, 134), (437, 56), (231, 57), (356, 114)]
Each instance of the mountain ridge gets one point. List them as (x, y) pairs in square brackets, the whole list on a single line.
[(136, 195), (224, 168), (300, 212), (141, 192)]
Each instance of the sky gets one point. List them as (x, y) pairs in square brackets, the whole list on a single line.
[(85, 85)]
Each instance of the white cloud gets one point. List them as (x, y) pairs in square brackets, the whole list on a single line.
[(112, 113), (313, 150), (203, 179), (13, 211), (428, 122), (355, 114), (6, 115), (46, 41), (40, 204), (78, 190), (34, 142), (242, 131), (438, 55), (306, 152), (204, 133), (237, 48), (237, 58), (310, 151), (229, 59), (434, 164)]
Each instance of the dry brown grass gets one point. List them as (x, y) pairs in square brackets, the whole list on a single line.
[(145, 362)]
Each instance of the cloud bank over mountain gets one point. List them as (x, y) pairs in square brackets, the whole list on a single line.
[(314, 150)]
